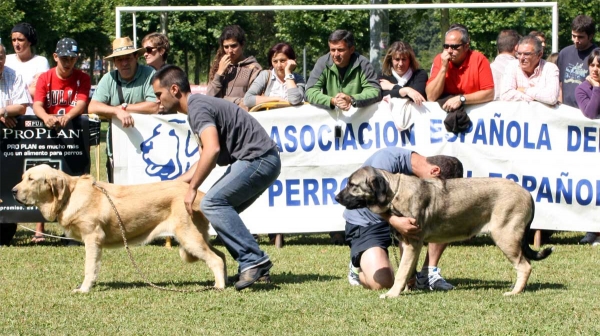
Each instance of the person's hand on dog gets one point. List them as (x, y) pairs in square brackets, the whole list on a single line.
[(189, 200), (406, 226)]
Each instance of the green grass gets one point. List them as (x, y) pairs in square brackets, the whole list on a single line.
[(310, 294)]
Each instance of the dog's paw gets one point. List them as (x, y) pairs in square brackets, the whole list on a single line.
[(81, 289), (388, 295)]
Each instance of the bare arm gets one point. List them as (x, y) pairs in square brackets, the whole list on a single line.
[(435, 88), (208, 160)]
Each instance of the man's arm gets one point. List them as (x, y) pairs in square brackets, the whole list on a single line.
[(208, 160), (315, 85), (547, 90), (371, 89), (435, 87)]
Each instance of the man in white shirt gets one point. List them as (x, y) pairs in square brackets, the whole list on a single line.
[(506, 44), (530, 78)]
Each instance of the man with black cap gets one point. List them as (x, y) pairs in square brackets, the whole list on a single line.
[(61, 94), (125, 90)]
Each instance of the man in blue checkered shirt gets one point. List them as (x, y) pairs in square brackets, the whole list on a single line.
[(13, 93)]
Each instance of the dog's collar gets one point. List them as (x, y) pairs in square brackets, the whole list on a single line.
[(389, 206)]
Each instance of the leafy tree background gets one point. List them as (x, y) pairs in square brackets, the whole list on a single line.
[(194, 35)]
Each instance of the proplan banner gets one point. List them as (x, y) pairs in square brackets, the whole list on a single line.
[(30, 144), (550, 151)]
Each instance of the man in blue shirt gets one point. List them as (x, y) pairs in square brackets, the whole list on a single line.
[(369, 233)]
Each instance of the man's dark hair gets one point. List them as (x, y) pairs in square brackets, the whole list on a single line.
[(507, 41), (172, 74), (342, 35), (585, 24), (450, 167)]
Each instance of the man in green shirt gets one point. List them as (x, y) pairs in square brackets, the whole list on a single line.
[(125, 90), (342, 78)]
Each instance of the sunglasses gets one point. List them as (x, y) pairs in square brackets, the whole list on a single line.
[(149, 50), (452, 46)]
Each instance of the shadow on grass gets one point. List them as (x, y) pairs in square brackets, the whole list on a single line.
[(478, 284), (277, 279), (191, 286)]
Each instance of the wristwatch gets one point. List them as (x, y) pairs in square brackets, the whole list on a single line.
[(5, 114), (462, 99), (290, 76), (124, 106), (352, 101)]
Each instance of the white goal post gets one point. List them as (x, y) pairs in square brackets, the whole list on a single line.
[(134, 9)]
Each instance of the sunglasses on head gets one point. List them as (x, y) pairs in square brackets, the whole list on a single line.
[(149, 50), (453, 46)]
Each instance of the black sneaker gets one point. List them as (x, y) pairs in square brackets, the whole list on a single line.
[(263, 279), (588, 238), (251, 275)]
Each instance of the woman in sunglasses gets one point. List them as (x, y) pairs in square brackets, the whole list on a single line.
[(401, 76), (156, 49)]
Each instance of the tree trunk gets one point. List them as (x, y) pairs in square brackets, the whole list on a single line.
[(444, 21), (380, 36), (164, 18), (185, 60), (197, 65)]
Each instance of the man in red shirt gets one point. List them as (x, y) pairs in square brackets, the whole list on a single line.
[(460, 72), (61, 94)]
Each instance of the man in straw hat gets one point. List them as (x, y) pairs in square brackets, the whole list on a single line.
[(125, 90)]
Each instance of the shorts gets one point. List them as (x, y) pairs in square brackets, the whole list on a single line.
[(362, 238)]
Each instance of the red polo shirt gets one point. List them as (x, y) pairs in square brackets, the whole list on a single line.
[(474, 74)]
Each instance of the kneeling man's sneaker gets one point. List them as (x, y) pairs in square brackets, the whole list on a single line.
[(589, 238), (433, 281), (353, 277), (251, 275)]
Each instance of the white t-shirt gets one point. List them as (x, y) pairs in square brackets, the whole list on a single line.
[(27, 70)]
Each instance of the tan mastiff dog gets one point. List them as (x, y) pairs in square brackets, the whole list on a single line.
[(447, 211), (146, 210)]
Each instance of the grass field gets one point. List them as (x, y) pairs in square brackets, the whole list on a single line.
[(310, 294)]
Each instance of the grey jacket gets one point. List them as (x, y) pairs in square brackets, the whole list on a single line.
[(264, 82)]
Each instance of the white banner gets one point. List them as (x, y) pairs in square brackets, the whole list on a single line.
[(550, 151)]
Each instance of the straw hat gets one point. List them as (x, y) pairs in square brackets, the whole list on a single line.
[(123, 46)]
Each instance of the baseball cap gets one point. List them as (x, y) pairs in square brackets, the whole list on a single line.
[(67, 47)]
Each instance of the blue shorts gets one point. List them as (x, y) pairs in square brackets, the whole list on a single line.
[(362, 238)]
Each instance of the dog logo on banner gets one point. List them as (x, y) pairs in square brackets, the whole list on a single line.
[(161, 160)]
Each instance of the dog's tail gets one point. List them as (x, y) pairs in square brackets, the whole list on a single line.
[(527, 250)]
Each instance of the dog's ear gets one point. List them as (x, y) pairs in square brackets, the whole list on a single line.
[(379, 186), (60, 191)]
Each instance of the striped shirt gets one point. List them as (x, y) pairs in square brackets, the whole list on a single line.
[(541, 86), (12, 89)]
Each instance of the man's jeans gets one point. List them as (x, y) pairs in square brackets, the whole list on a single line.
[(236, 190)]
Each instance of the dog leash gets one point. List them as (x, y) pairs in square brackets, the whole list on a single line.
[(45, 234), (140, 273)]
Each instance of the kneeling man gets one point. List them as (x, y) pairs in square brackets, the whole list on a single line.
[(369, 233)]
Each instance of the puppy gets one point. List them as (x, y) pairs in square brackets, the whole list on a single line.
[(146, 211), (447, 211)]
